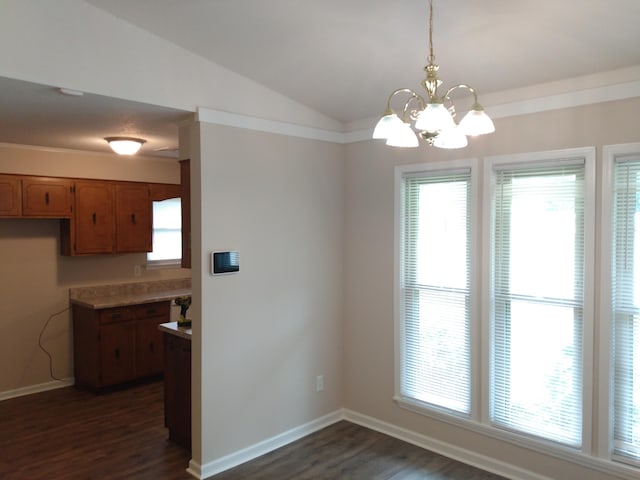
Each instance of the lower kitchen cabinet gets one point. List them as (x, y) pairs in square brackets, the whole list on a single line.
[(117, 345), (177, 389)]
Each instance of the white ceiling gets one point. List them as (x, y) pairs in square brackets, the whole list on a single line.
[(343, 57)]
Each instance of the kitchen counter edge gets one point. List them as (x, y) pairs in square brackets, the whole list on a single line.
[(132, 299), (172, 328)]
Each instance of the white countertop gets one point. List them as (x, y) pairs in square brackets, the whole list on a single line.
[(173, 329)]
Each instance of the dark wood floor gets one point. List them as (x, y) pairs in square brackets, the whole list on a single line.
[(347, 451), (73, 434)]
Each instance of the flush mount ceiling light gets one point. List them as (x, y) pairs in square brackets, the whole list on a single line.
[(125, 145), (433, 117)]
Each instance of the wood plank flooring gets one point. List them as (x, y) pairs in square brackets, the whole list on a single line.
[(71, 434), (347, 451)]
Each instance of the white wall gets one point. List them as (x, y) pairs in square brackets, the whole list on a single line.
[(267, 331), (369, 321)]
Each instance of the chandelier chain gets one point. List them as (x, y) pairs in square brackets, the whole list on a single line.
[(432, 57)]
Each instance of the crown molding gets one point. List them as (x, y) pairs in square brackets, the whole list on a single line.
[(542, 103)]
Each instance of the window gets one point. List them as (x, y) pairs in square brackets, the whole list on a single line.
[(537, 326), (625, 306), (167, 233), (435, 291)]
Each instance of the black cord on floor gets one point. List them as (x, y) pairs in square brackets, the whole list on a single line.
[(44, 349)]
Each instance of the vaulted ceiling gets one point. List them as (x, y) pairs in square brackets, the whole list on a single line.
[(343, 57)]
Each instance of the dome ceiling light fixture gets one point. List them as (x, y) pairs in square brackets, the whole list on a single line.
[(125, 145), (433, 116)]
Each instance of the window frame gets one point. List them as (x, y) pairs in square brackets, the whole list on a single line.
[(553, 158), (605, 396), (435, 169), (165, 262), (478, 422)]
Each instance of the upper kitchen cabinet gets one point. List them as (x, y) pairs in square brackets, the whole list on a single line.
[(10, 196), (47, 197), (92, 228), (164, 191), (133, 218)]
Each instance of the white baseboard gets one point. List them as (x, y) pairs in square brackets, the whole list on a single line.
[(450, 451), (41, 387), (260, 448)]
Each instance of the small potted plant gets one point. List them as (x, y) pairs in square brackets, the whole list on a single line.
[(184, 303)]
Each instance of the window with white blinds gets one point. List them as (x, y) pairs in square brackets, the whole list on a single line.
[(538, 263), (167, 233), (435, 289), (625, 328)]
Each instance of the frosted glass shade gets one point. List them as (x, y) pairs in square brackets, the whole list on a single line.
[(387, 125), (403, 137), (125, 145), (451, 138), (476, 122), (434, 117)]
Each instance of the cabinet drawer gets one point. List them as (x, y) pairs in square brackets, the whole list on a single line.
[(114, 315), (148, 310)]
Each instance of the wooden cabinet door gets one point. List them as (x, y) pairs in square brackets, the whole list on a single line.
[(10, 197), (133, 218), (185, 181), (149, 344), (46, 197), (177, 389), (149, 348), (94, 219), (117, 353)]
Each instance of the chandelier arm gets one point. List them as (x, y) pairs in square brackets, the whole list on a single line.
[(462, 85), (412, 96)]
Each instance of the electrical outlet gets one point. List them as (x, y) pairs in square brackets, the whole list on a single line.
[(319, 383), (137, 270)]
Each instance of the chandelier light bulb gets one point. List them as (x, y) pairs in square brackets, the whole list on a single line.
[(451, 138), (386, 125), (477, 122), (434, 117), (403, 136)]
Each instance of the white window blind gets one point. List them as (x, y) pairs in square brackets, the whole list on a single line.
[(537, 325), (435, 290), (167, 232), (626, 310)]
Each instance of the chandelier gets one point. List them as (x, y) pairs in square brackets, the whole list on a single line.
[(433, 116)]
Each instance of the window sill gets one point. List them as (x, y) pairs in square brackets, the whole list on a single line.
[(159, 264)]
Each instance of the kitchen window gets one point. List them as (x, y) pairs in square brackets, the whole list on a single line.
[(167, 233)]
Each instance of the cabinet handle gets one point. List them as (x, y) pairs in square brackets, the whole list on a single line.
[(133, 218), (117, 353), (46, 198), (151, 347), (93, 217), (116, 315)]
